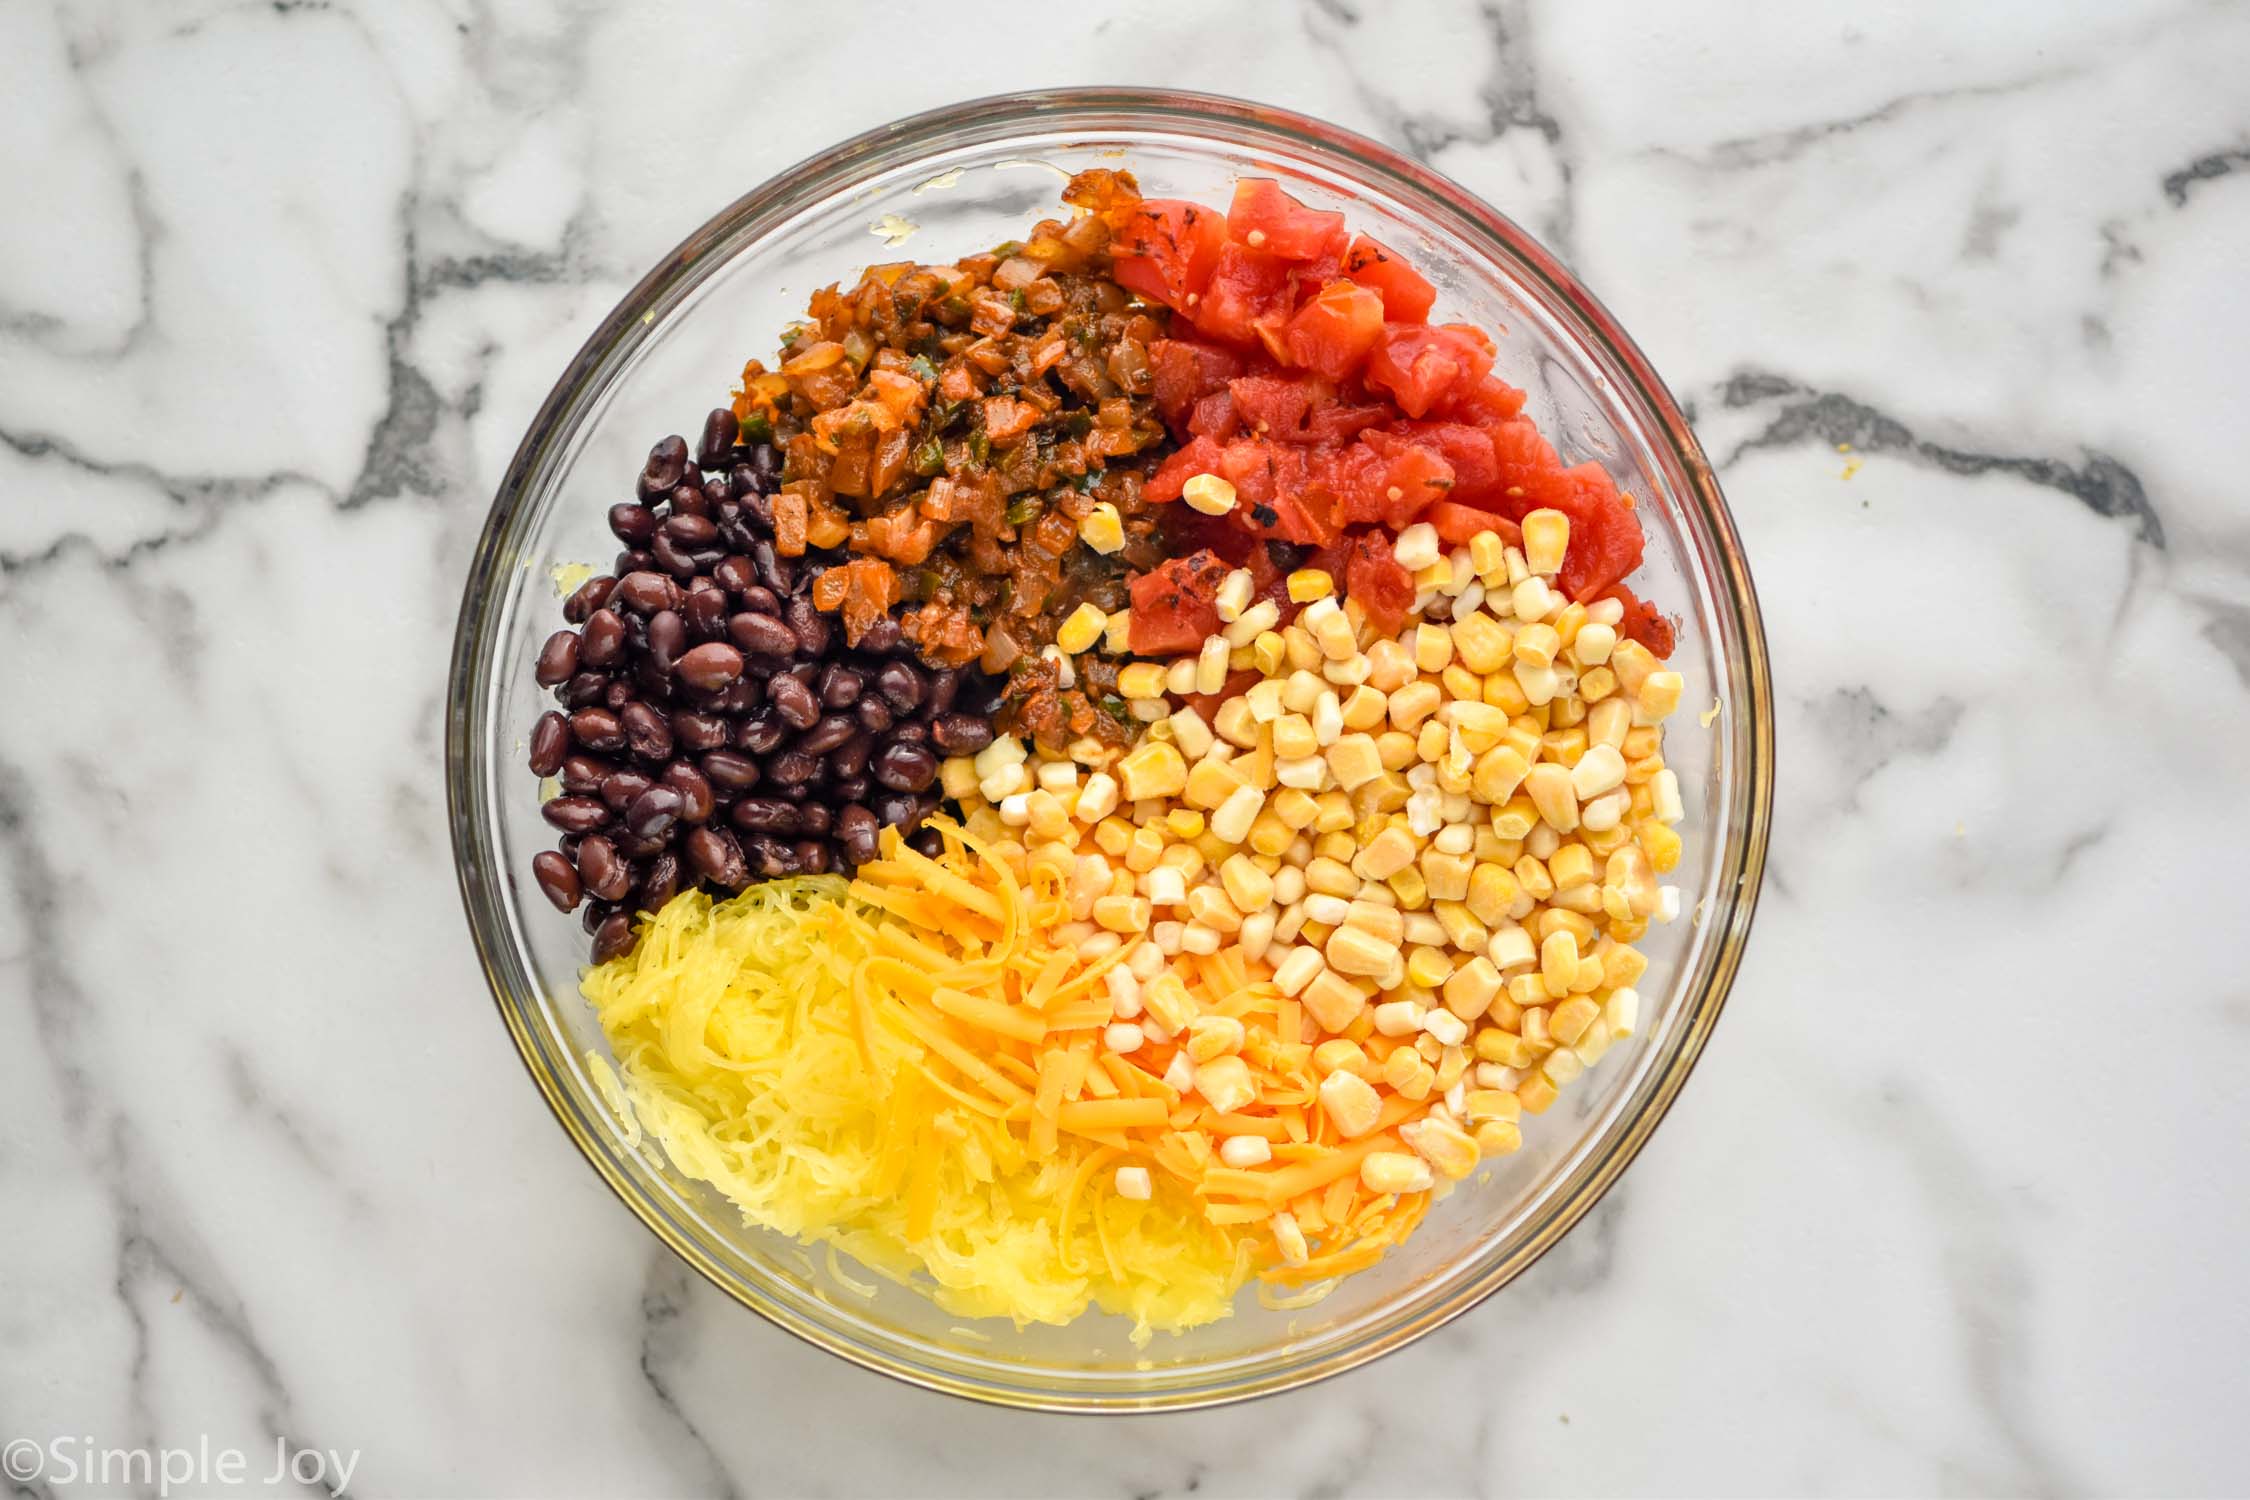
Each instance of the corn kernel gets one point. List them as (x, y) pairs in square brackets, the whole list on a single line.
[(1267, 653), (1571, 865), (1659, 694), (1386, 855), (1307, 584), (1433, 647), (1225, 1082), (1123, 914), (1428, 968), (1417, 547), (1447, 876), (1103, 529), (1352, 1106), (1151, 771), (1081, 629), (1140, 680), (1394, 1172), (1536, 1093), (1546, 538), (1249, 888), (1333, 1001), (1413, 703), (1209, 494), (1493, 1138), (1550, 791), (1448, 1149)]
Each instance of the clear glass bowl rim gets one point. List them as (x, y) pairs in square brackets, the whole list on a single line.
[(1246, 125)]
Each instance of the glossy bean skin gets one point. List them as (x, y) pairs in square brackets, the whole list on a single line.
[(714, 727)]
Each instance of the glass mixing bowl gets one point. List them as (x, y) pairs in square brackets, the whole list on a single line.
[(951, 183)]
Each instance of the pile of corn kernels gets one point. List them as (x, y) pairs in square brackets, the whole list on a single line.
[(1443, 845)]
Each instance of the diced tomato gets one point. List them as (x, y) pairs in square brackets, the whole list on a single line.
[(1476, 473), (1173, 606), (1642, 623), (1530, 473), (1309, 276), (1374, 577), (1387, 480), (1246, 286), (1214, 416), (1198, 456), (1299, 409), (1181, 370), (1273, 497), (1605, 535), (1459, 525), (1167, 248), (1407, 297), (1482, 402), (1331, 334), (1419, 365), (1266, 218)]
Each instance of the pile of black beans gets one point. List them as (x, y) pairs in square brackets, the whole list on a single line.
[(715, 727)]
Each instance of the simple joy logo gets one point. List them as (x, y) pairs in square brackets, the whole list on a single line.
[(82, 1461)]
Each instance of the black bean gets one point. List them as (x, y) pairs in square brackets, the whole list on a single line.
[(810, 625), (720, 429), (735, 575), (689, 500), (737, 697), (647, 731), (960, 734), (614, 937), (711, 666), (550, 742), (633, 846), (944, 683), (840, 686), (661, 883), (597, 729), (856, 827), (556, 879), (632, 560), (895, 809), (667, 462), (574, 814), (696, 798), (699, 731), (827, 735), (764, 815), (584, 773), (716, 857), (731, 771), (654, 812), (691, 532), (619, 788), (707, 613), (791, 768), (606, 875), (586, 688), (926, 842), (905, 767), (645, 593), (588, 597), (910, 734), (772, 858), (671, 557), (794, 702), (874, 714), (812, 857), (761, 634), (592, 915), (814, 817), (881, 637), (622, 691), (761, 733), (720, 497), (632, 524), (603, 644), (774, 571), (851, 788), (850, 758)]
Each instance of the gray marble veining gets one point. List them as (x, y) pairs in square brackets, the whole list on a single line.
[(1956, 1203)]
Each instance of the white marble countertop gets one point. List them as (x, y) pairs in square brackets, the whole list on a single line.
[(1956, 1202)]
